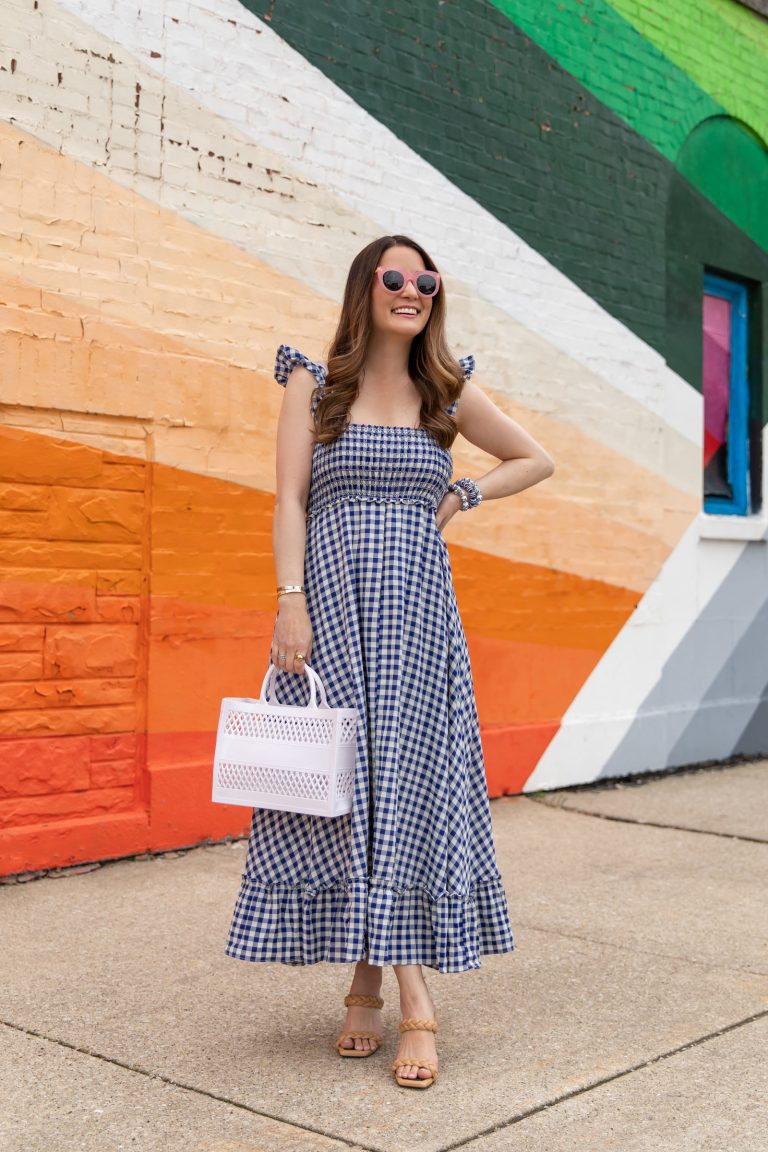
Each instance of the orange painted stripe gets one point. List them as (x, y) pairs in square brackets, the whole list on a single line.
[(536, 631), (512, 753), (198, 371), (526, 683), (223, 302), (505, 600), (199, 654), (499, 598)]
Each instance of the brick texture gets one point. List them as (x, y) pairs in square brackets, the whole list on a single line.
[(72, 570)]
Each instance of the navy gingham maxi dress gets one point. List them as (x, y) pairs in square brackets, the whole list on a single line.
[(409, 876)]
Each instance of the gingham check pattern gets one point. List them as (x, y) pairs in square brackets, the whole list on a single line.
[(410, 875)]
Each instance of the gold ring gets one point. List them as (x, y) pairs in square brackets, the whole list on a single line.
[(299, 656)]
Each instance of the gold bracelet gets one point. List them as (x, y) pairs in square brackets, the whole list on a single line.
[(283, 588)]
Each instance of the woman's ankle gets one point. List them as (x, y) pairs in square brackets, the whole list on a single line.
[(415, 998), (366, 980), (417, 1006)]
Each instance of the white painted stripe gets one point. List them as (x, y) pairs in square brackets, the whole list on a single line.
[(301, 228), (297, 226), (239, 68)]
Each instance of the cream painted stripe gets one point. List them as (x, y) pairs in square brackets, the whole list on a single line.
[(218, 420), (168, 276), (152, 272), (71, 230), (297, 226), (238, 67), (611, 699), (165, 283)]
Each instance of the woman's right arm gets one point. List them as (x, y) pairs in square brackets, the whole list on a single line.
[(293, 460)]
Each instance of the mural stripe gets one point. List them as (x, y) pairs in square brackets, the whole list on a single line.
[(710, 686), (566, 30), (357, 162), (582, 531), (487, 152), (611, 701), (740, 90)]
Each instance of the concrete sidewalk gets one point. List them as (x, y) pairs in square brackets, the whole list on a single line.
[(632, 1016)]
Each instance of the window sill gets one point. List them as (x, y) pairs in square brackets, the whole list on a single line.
[(733, 527)]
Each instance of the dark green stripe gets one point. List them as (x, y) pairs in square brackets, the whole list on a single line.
[(656, 96), (472, 94), (479, 100)]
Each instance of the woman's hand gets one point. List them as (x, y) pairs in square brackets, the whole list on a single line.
[(292, 634), (448, 507)]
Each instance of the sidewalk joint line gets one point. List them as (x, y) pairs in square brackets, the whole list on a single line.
[(646, 823), (556, 1100), (639, 951), (355, 1144)]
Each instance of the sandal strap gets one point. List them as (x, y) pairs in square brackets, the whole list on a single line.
[(356, 1000), (414, 1024), (361, 1036), (401, 1062)]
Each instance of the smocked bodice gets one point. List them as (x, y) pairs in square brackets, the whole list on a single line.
[(379, 463)]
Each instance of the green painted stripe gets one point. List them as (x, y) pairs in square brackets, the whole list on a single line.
[(731, 67), (674, 60), (618, 64), (746, 22), (665, 72), (478, 99)]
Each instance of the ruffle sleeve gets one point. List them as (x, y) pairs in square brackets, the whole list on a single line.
[(467, 366), (286, 360)]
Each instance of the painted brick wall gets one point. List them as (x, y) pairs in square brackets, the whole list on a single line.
[(72, 643), (182, 187)]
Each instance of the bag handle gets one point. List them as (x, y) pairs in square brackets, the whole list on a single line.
[(314, 680)]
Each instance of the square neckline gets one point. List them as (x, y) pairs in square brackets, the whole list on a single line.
[(391, 427)]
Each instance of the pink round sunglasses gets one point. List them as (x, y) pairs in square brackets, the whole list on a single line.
[(394, 280)]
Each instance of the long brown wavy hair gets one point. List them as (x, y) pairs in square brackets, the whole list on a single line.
[(435, 372)]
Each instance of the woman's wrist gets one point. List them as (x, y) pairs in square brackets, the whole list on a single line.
[(468, 492), (299, 598)]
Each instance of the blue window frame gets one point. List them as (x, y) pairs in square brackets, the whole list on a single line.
[(726, 397)]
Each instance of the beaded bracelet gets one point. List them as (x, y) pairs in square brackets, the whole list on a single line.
[(468, 491), (459, 490)]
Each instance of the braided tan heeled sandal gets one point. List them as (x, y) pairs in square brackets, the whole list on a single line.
[(412, 1024), (355, 1000)]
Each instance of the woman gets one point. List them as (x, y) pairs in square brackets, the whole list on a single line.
[(365, 595)]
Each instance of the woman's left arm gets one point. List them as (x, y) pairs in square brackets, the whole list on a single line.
[(523, 460)]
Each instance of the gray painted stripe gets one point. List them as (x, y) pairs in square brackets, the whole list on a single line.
[(733, 700), (709, 702)]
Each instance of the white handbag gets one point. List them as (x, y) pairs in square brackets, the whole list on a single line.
[(281, 756)]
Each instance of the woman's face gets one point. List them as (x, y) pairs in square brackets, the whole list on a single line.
[(406, 313)]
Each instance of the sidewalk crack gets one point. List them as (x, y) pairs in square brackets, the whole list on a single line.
[(502, 1124), (641, 951), (356, 1146), (646, 823)]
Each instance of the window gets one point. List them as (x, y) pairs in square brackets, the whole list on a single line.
[(726, 397)]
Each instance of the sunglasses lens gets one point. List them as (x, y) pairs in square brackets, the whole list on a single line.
[(426, 284), (393, 280)]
